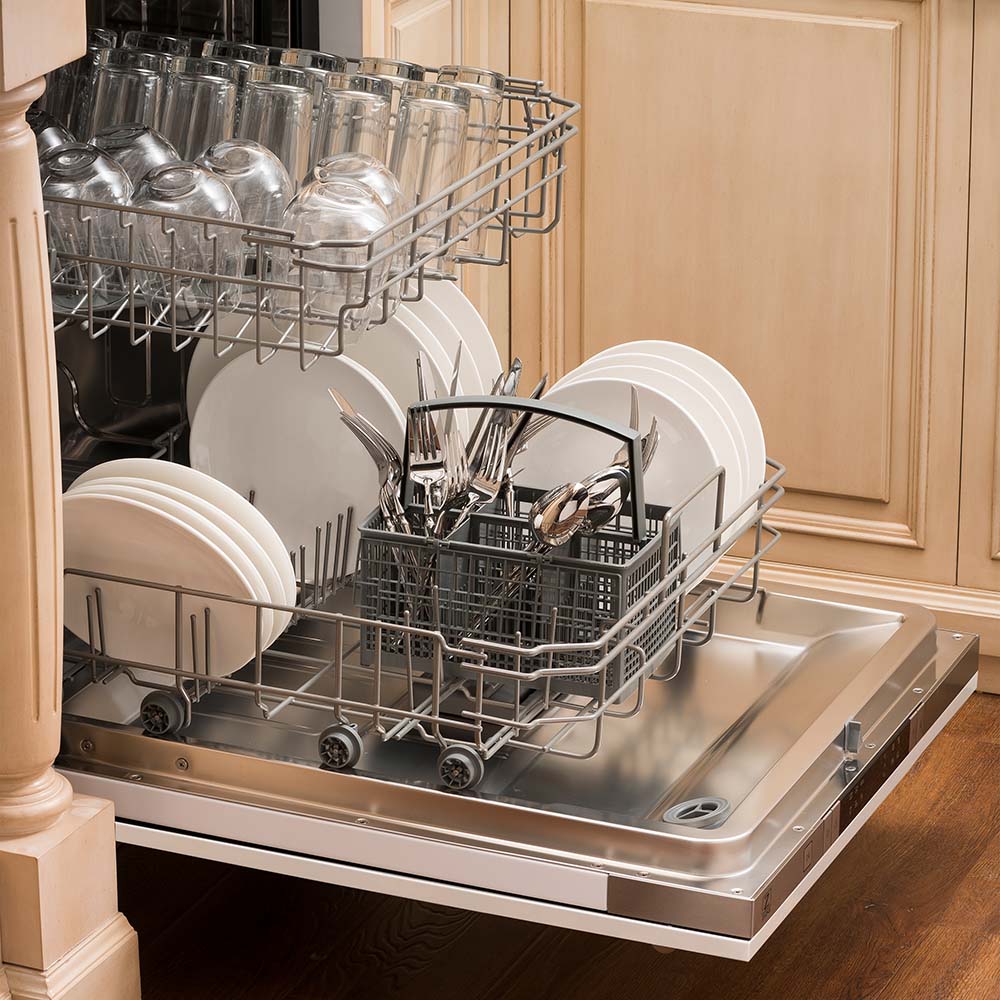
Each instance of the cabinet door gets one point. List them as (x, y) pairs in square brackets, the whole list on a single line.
[(433, 33), (783, 186), (979, 544)]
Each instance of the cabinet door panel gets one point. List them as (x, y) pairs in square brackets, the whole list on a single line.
[(433, 33), (979, 545), (784, 188)]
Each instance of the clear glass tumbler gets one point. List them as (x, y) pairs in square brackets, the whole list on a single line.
[(353, 117), (153, 41), (330, 210), (213, 252), (199, 105), (49, 133), (220, 48), (376, 176), (135, 148), (257, 178), (397, 72), (485, 90), (427, 149), (128, 88), (77, 170), (277, 113), (69, 89)]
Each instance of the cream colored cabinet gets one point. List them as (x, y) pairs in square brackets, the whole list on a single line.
[(433, 33)]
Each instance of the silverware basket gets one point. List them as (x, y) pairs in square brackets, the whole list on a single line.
[(482, 584)]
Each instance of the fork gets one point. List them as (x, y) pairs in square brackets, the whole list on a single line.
[(484, 484), (426, 456)]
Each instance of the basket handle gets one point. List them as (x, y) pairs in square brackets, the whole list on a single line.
[(519, 404)]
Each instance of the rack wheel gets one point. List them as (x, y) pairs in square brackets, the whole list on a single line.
[(460, 768), (162, 713), (340, 746)]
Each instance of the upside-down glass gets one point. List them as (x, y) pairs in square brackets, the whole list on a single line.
[(485, 90), (427, 149), (220, 48), (330, 210), (376, 176), (77, 170), (152, 41), (128, 88), (397, 73), (257, 178), (199, 105), (353, 117), (172, 244), (317, 66), (135, 148), (69, 89), (49, 133), (277, 113)]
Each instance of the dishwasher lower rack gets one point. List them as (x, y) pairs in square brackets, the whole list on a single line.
[(473, 698)]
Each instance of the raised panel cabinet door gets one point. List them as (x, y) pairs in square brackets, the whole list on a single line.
[(468, 32), (979, 539), (783, 186)]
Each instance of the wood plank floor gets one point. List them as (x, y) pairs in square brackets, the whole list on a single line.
[(911, 909)]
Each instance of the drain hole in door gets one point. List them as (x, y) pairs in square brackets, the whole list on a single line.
[(705, 811)]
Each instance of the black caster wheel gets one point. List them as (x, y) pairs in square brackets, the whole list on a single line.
[(340, 746), (460, 768), (162, 713)]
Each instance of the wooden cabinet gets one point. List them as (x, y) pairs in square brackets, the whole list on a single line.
[(434, 33)]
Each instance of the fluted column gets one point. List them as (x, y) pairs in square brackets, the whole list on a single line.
[(59, 923)]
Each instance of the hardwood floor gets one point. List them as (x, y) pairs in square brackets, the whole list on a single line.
[(911, 909)]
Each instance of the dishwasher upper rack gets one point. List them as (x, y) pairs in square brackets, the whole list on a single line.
[(517, 193), (471, 699)]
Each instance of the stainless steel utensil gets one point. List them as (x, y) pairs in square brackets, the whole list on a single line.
[(427, 457), (557, 515)]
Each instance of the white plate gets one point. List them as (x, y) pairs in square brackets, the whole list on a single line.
[(274, 429), (725, 381), (454, 303), (232, 531), (564, 452), (125, 537), (447, 333), (205, 365), (216, 493), (654, 370)]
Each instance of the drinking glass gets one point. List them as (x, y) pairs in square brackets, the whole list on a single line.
[(135, 148), (427, 149), (374, 175), (69, 89), (277, 113), (199, 105), (220, 48), (485, 90), (330, 209), (353, 117), (241, 71), (152, 41), (128, 88), (257, 178), (396, 72), (317, 67), (49, 133), (175, 244), (77, 170)]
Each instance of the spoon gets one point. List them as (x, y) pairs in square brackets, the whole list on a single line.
[(607, 491), (557, 515)]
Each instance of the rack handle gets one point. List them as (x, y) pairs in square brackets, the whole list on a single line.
[(519, 404)]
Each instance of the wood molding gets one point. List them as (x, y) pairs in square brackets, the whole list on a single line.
[(961, 608), (858, 529)]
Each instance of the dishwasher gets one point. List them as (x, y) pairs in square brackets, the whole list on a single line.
[(681, 776)]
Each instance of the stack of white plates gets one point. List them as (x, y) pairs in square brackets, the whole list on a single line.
[(437, 325), (705, 419), (167, 524)]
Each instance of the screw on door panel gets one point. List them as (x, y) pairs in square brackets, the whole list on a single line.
[(182, 764), (87, 746)]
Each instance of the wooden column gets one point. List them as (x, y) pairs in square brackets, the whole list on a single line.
[(61, 932)]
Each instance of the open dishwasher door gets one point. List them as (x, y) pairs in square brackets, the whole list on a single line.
[(698, 824)]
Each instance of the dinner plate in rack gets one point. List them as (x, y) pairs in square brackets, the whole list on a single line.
[(216, 493), (725, 381), (232, 530), (651, 367), (434, 318), (124, 537), (687, 455), (701, 407), (205, 364), (273, 430), (455, 304)]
